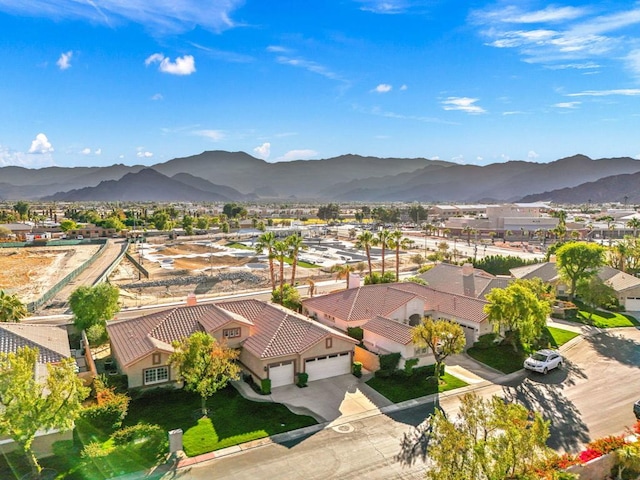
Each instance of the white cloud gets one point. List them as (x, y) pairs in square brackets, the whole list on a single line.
[(464, 104), (310, 66), (85, 151), (9, 157), (383, 88), (403, 87), (64, 61), (631, 92), (304, 154), (215, 135), (41, 145), (531, 155), (458, 158), (277, 49), (144, 154), (435, 157), (263, 151), (98, 151), (479, 158), (184, 65), (632, 62), (387, 7), (157, 96), (569, 105), (546, 15), (158, 16)]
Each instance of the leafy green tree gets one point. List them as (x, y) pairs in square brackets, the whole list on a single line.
[(11, 308), (518, 311), (364, 242), (202, 223), (204, 365), (5, 232), (22, 209), (68, 224), (289, 298), (329, 212), (501, 264), (30, 404), (634, 223), (487, 440), (266, 241), (187, 224), (442, 337), (595, 293), (578, 260), (161, 220), (94, 305), (628, 458), (418, 214), (375, 278), (113, 222)]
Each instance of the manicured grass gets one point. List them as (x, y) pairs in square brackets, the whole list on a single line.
[(399, 387), (602, 319), (240, 246), (504, 359), (232, 419), (559, 337), (500, 357)]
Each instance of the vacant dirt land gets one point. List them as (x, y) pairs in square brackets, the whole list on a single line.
[(30, 271)]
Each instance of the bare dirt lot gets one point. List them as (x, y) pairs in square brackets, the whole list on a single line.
[(30, 271)]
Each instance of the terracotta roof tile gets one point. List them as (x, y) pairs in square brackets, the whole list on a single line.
[(52, 342), (395, 331)]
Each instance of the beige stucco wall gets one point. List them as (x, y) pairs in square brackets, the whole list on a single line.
[(42, 445), (232, 342), (406, 351), (412, 307), (134, 371)]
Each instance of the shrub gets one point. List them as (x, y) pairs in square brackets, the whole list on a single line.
[(265, 386), (486, 341), (606, 445), (355, 332), (389, 361), (302, 379), (357, 370), (136, 432), (425, 268), (408, 366), (588, 455), (95, 450), (109, 410)]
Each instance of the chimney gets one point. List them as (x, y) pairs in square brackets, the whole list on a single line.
[(468, 280), (552, 259), (191, 300)]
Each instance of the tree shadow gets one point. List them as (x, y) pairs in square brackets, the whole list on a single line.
[(612, 344), (414, 444), (544, 394)]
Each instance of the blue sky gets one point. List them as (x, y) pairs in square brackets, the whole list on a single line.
[(143, 81)]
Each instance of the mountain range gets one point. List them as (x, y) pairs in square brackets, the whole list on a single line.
[(219, 176)]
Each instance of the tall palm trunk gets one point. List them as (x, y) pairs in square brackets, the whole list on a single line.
[(368, 250)]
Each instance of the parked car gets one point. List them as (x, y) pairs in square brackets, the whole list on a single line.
[(636, 409), (543, 360)]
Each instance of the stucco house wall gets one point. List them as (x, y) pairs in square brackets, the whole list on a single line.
[(135, 371), (231, 341), (378, 342)]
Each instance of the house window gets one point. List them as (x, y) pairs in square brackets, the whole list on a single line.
[(328, 342), (231, 332), (419, 351), (156, 359), (156, 375)]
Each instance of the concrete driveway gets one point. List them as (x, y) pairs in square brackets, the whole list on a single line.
[(329, 399)]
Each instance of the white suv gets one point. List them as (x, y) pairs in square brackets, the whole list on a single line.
[(543, 360)]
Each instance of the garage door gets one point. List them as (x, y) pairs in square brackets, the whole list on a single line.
[(281, 374), (328, 366), (632, 304)]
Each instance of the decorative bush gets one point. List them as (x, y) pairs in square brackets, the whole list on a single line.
[(408, 366), (302, 379), (486, 341), (95, 450), (389, 361), (355, 332), (357, 369), (606, 445), (588, 455), (136, 432), (109, 410), (265, 386)]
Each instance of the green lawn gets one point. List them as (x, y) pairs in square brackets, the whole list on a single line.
[(399, 387), (602, 319), (238, 245), (504, 359), (232, 420)]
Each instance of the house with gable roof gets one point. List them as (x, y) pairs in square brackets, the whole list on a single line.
[(274, 342), (387, 312)]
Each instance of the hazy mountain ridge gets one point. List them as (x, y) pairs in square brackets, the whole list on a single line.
[(237, 176)]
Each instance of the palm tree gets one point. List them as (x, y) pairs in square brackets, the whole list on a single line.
[(383, 241), (365, 240), (634, 223), (467, 229), (296, 244), (11, 308), (397, 241), (281, 251), (343, 271), (267, 241)]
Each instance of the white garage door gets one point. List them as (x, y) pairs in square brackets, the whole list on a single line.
[(329, 366), (281, 374), (632, 304)]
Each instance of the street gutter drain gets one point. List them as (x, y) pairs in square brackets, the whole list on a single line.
[(345, 428)]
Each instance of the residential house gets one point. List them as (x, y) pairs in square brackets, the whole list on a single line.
[(274, 342), (625, 286), (372, 307), (463, 280)]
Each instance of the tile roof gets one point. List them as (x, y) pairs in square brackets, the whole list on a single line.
[(447, 277), (366, 302), (51, 341), (138, 337), (395, 331), (546, 271), (622, 281), (277, 331)]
